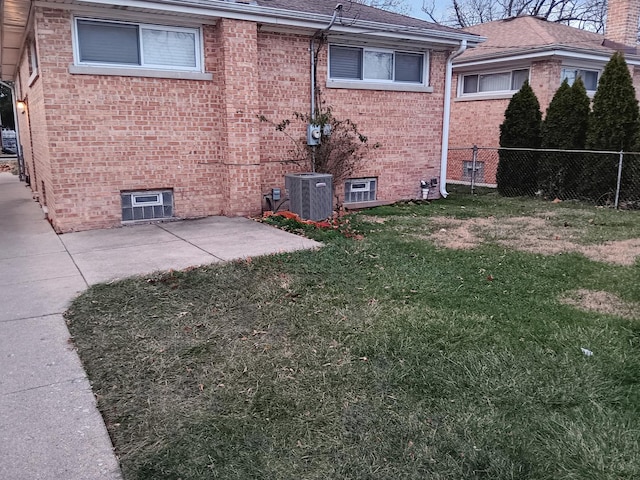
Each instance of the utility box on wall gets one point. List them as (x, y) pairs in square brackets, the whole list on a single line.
[(310, 194)]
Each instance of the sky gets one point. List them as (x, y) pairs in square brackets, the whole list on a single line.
[(416, 8)]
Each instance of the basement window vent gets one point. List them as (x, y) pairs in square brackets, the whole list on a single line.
[(468, 172), (150, 205), (360, 190)]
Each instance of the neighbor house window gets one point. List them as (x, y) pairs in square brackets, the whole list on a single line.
[(376, 65), (471, 172), (589, 77), (494, 82), (109, 43)]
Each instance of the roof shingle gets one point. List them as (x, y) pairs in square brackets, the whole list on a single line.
[(525, 34), (354, 11)]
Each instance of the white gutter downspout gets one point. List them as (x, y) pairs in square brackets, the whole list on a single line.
[(19, 156), (446, 116)]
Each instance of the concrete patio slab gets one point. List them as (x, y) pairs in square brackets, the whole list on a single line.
[(191, 230), (105, 265), (130, 236), (36, 352), (55, 433), (253, 243)]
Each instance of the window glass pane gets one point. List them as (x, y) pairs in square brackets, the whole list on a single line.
[(589, 78), (408, 67), (495, 82), (378, 65), (569, 75), (470, 84), (345, 62), (518, 78), (108, 43), (163, 47)]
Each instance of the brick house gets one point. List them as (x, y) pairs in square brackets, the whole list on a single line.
[(148, 109), (533, 49)]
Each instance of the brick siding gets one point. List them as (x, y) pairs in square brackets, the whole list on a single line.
[(89, 137), (478, 122)]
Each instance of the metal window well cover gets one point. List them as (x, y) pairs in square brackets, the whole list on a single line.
[(310, 194)]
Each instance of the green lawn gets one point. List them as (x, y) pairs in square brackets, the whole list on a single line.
[(386, 357)]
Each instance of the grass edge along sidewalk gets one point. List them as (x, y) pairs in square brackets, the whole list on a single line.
[(390, 356)]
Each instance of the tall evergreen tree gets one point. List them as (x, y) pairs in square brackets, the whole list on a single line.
[(564, 127), (517, 170), (614, 125)]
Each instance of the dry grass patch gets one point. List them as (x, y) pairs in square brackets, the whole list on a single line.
[(601, 302), (373, 219), (529, 234)]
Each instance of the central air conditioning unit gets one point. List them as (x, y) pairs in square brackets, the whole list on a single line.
[(310, 195)]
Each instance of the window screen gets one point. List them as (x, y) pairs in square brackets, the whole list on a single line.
[(103, 42), (409, 67), (495, 82), (470, 84), (345, 62), (355, 63), (130, 44), (518, 78)]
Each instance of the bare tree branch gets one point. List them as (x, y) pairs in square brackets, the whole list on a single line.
[(585, 14), (398, 6)]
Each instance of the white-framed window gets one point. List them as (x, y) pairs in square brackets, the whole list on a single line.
[(137, 45), (360, 190), (146, 205), (33, 59), (589, 77), (347, 63), (507, 81)]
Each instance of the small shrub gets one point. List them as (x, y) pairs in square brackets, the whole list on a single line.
[(342, 146), (613, 125), (564, 127), (521, 128)]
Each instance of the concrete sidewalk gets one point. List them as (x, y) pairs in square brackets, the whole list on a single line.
[(49, 425)]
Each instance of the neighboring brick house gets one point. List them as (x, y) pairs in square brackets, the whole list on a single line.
[(149, 108), (528, 48)]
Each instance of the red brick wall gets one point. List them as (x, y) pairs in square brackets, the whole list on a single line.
[(622, 21), (111, 133), (408, 125), (477, 122), (34, 131), (97, 135)]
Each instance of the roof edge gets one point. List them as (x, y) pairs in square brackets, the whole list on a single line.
[(281, 17)]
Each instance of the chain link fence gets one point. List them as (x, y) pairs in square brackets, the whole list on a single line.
[(601, 178)]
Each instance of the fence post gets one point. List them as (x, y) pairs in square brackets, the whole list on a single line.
[(474, 160), (615, 205)]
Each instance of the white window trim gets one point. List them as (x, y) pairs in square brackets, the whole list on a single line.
[(491, 94), (32, 54), (374, 84), (86, 67)]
